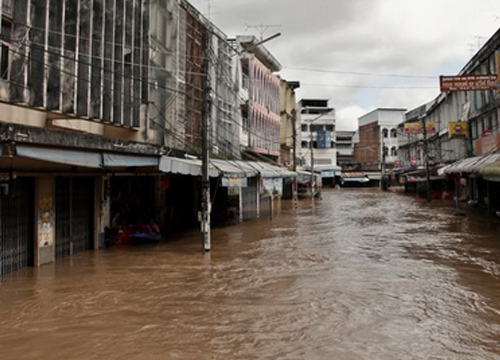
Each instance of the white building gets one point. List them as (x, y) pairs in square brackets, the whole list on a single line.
[(388, 120), (319, 133)]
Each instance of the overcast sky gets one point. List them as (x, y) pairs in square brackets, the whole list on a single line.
[(418, 38)]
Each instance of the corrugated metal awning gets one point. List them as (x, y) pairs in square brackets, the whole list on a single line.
[(60, 156)]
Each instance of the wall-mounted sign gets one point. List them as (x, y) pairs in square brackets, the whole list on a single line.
[(468, 83), (413, 160), (397, 163), (458, 129), (416, 128)]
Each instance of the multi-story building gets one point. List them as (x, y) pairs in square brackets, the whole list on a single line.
[(476, 145), (345, 150), (94, 97), (318, 135), (377, 149), (261, 128)]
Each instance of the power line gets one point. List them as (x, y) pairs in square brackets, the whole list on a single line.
[(357, 73)]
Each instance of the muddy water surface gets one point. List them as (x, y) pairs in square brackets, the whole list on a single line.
[(358, 275)]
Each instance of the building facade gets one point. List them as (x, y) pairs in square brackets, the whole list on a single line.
[(345, 150), (377, 149), (261, 110), (100, 104), (318, 138)]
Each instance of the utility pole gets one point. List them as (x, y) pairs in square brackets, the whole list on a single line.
[(312, 161), (294, 160), (206, 206), (426, 155), (383, 185)]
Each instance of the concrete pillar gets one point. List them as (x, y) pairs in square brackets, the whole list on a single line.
[(45, 220)]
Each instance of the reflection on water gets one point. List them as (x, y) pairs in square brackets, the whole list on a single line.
[(358, 275)]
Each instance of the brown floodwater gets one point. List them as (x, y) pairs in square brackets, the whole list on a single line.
[(359, 274)]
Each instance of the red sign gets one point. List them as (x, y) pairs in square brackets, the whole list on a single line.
[(413, 160), (468, 83), (397, 163)]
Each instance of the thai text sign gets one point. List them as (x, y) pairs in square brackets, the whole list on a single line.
[(468, 83), (458, 129), (416, 128)]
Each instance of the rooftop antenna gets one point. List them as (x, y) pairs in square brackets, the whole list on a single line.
[(261, 28), (209, 9), (472, 49), (480, 41)]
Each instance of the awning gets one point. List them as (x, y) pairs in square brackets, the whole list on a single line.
[(116, 160), (191, 167), (60, 156), (472, 164), (229, 169), (224, 168), (491, 172), (270, 171)]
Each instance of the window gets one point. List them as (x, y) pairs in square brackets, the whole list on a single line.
[(385, 133), (394, 151), (329, 127), (385, 151), (317, 128), (304, 127), (394, 133), (305, 145), (4, 57)]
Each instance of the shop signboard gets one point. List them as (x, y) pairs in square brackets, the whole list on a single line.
[(413, 160), (397, 163), (234, 183), (458, 129), (468, 83), (416, 128)]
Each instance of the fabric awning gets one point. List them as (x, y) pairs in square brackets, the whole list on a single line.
[(491, 172), (60, 156), (118, 160)]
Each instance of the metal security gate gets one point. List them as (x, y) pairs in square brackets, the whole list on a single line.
[(249, 199), (17, 227), (74, 215)]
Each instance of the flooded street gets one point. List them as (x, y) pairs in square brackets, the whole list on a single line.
[(358, 275)]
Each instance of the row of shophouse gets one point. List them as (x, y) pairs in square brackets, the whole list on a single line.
[(101, 109), (460, 145)]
